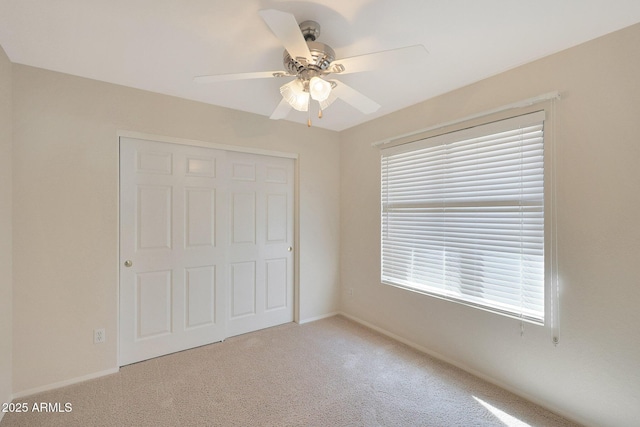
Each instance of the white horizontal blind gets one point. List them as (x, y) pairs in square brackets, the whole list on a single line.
[(463, 216)]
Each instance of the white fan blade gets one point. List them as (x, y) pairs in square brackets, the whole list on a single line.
[(286, 29), (239, 76), (281, 110), (402, 57), (355, 98)]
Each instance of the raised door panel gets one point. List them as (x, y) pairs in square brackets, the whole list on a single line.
[(201, 166), (276, 284), (154, 217), (243, 289), (153, 304), (200, 288), (243, 171), (243, 217), (277, 226), (153, 161), (200, 217)]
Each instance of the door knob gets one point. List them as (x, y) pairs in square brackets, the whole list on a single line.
[(128, 263), (289, 249)]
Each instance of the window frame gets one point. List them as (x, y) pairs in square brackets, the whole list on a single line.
[(549, 285)]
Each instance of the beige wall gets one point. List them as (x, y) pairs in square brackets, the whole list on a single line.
[(5, 229), (593, 375), (66, 216)]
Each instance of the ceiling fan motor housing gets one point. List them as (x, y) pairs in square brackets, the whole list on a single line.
[(321, 57), (321, 54)]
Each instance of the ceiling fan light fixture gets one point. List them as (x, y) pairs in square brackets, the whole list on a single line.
[(294, 93), (319, 89), (325, 104)]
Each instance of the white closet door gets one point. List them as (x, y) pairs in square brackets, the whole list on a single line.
[(260, 242), (173, 236), (206, 241)]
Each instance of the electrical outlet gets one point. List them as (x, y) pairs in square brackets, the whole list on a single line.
[(98, 336)]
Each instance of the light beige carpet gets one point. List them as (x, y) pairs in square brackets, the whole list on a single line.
[(332, 372)]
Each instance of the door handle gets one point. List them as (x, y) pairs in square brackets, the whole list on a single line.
[(128, 263), (289, 249)]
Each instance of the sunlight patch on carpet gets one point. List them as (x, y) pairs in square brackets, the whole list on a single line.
[(507, 419)]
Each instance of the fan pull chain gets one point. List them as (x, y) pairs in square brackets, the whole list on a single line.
[(309, 114), (320, 112)]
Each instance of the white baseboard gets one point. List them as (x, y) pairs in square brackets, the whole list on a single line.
[(323, 316), (436, 355), (64, 383)]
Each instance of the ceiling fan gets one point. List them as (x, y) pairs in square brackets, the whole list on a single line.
[(311, 63)]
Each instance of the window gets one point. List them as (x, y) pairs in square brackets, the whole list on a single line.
[(463, 216)]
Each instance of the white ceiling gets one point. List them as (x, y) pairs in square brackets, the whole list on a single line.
[(160, 45)]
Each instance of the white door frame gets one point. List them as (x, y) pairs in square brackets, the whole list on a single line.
[(226, 147)]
